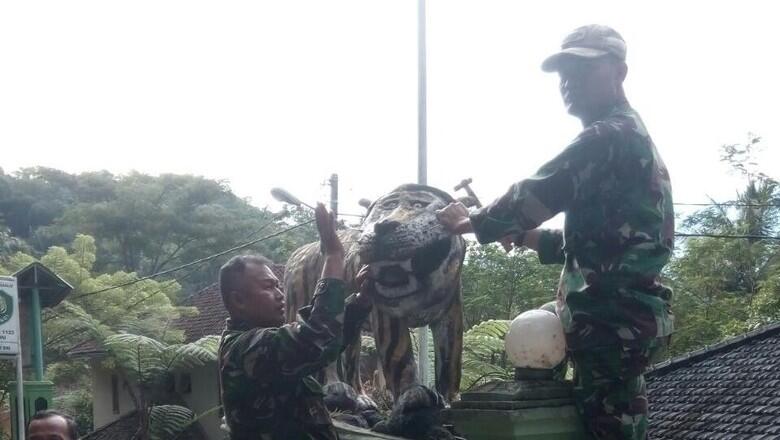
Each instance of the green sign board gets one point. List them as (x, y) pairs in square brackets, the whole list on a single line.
[(9, 317)]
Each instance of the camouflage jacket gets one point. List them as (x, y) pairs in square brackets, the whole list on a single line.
[(618, 234), (265, 383)]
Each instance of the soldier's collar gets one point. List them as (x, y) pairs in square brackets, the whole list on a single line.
[(620, 107), (237, 324)]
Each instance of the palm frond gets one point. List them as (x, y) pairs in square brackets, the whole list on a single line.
[(166, 422), (192, 355), (484, 356), (140, 356)]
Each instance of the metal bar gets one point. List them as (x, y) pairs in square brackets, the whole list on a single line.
[(334, 194), (37, 337), (20, 406), (20, 427), (422, 108), (422, 161)]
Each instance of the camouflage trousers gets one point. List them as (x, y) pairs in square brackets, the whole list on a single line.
[(610, 392)]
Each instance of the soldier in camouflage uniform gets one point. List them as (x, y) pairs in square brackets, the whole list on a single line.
[(615, 191), (264, 364)]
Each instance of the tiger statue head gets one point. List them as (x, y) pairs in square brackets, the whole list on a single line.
[(414, 260)]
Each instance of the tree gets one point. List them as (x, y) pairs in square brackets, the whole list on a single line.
[(141, 223), (146, 363), (145, 307), (724, 287), (484, 355), (501, 285)]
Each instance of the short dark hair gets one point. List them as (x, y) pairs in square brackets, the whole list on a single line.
[(73, 429), (231, 272)]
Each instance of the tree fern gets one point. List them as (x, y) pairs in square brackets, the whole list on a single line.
[(484, 357), (166, 422), (149, 360), (192, 355)]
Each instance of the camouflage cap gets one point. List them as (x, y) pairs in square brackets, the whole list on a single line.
[(591, 41)]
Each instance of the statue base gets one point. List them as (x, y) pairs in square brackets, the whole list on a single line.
[(532, 407)]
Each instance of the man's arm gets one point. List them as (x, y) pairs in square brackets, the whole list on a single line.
[(548, 244), (297, 349), (551, 190)]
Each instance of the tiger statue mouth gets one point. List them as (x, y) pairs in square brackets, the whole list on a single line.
[(409, 252), (400, 278)]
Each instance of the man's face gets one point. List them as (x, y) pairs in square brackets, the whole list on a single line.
[(259, 301), (50, 428), (589, 86)]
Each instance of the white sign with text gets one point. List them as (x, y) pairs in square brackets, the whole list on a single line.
[(9, 317)]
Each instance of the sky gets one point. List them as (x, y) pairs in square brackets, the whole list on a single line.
[(285, 93)]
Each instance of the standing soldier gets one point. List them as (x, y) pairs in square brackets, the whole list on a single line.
[(615, 191), (264, 364)]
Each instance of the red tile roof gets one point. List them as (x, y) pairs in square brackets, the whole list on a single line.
[(125, 427)]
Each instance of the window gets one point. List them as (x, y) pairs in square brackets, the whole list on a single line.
[(185, 383), (115, 394)]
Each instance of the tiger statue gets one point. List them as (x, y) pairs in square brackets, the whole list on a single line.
[(416, 266)]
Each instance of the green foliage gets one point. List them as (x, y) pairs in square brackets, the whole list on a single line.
[(147, 361), (146, 307), (166, 422), (484, 357), (137, 225), (367, 345), (725, 287), (10, 244), (142, 224), (497, 284), (78, 403)]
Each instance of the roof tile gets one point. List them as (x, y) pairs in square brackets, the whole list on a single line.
[(728, 391)]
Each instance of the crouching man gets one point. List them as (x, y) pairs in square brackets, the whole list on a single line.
[(265, 365)]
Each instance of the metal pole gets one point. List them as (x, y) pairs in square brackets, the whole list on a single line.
[(422, 108), (37, 337), (334, 195), (20, 407), (422, 162)]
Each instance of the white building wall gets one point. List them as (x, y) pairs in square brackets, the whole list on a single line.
[(204, 396), (102, 399)]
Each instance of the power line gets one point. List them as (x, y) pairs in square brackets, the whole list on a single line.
[(283, 231), (731, 204), (175, 280), (192, 263), (753, 237)]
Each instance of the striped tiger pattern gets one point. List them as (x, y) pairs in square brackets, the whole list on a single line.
[(416, 265)]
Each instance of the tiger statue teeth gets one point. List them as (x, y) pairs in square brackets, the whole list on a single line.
[(416, 265)]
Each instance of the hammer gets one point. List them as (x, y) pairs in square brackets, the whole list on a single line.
[(465, 184)]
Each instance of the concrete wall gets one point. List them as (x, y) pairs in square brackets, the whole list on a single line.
[(102, 401), (204, 396)]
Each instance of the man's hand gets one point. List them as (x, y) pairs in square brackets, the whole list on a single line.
[(330, 244), (529, 239), (511, 241), (365, 285), (326, 226), (455, 218)]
